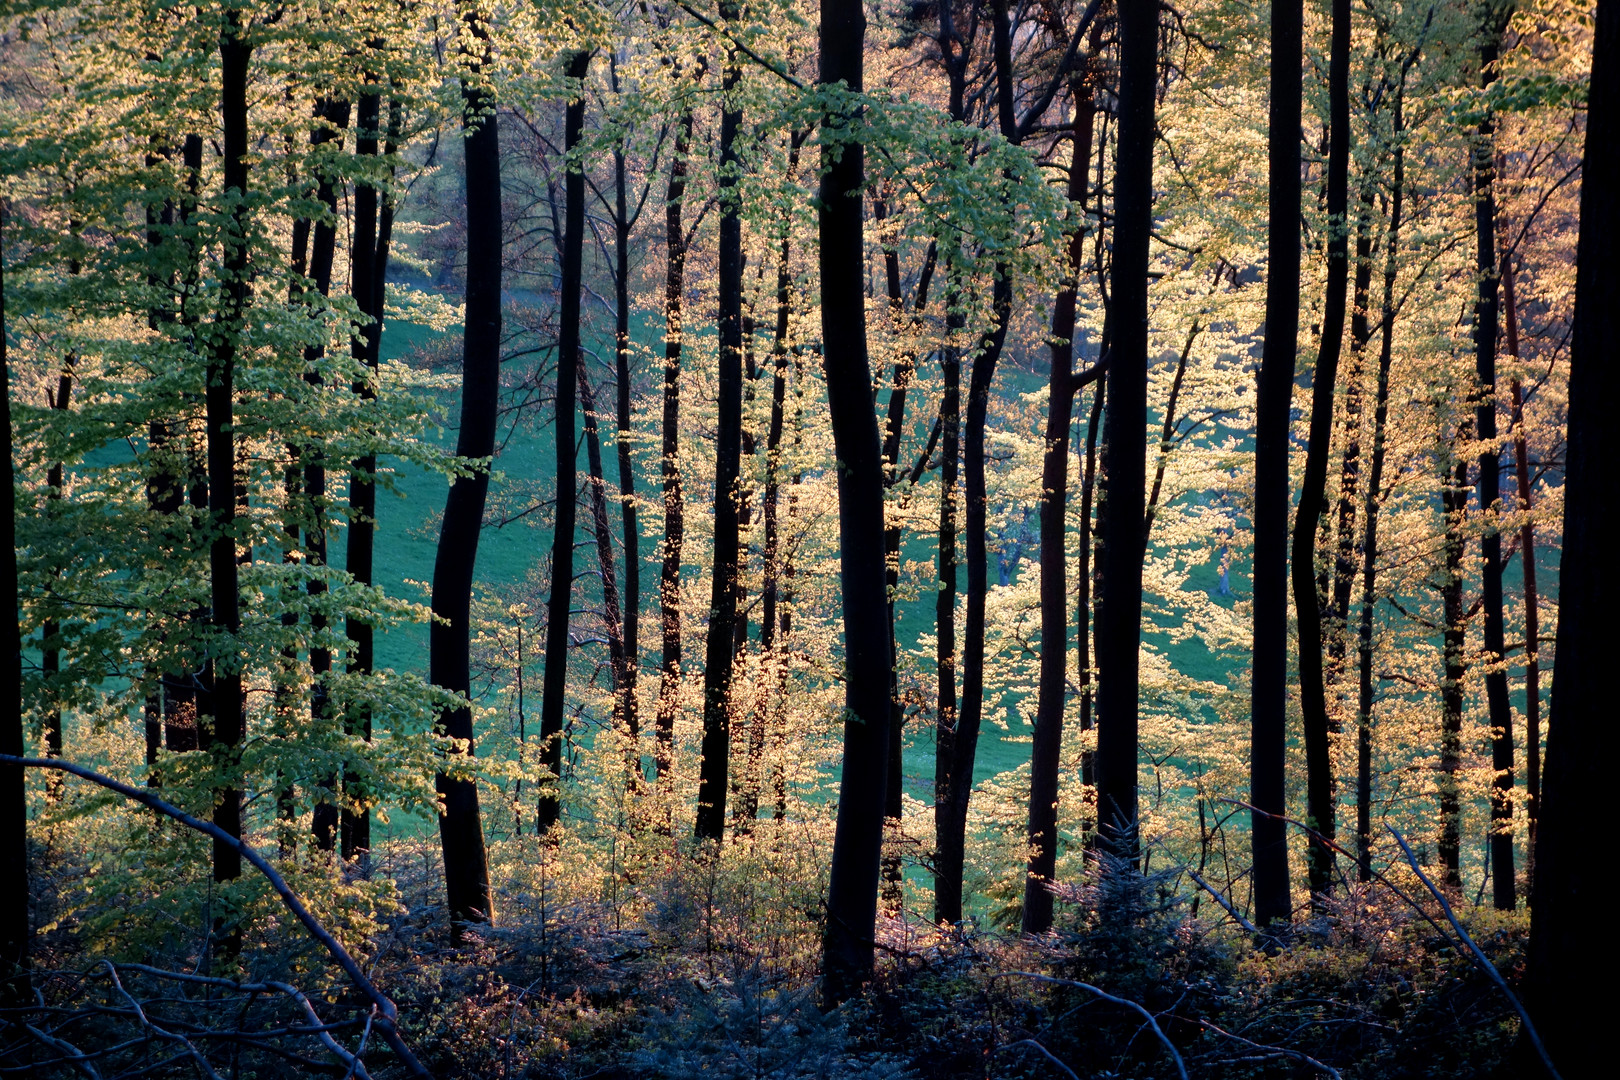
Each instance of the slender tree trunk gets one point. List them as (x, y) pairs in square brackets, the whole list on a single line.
[(1054, 514), (847, 951), (1370, 508), (719, 652), (669, 583), (1308, 601), (333, 117), (948, 853), (1274, 402), (631, 667), (612, 614), (767, 706), (1527, 560), (1569, 882), (1344, 563), (555, 681), (1124, 459), (1454, 497), (16, 987), (1082, 604), (368, 275), (223, 556), (1486, 318), (461, 829)]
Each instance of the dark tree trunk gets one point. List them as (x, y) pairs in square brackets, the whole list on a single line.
[(1082, 600), (1572, 880), (631, 633), (858, 838), (1124, 464), (1308, 601), (1527, 560), (948, 853), (612, 615), (1454, 498), (555, 680), (720, 648), (223, 554), (1370, 508), (748, 801), (15, 985), (1486, 320), (1054, 514), (373, 226), (1273, 405), (461, 830), (669, 582), (333, 117), (1344, 562)]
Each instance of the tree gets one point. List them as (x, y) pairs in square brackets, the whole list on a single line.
[(14, 930), (1309, 603), (555, 685), (1569, 879), (461, 831), (847, 945), (1119, 615)]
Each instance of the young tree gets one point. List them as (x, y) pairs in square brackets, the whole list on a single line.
[(554, 687), (1308, 601), (14, 932)]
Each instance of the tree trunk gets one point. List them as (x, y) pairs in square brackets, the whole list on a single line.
[(612, 615), (669, 582), (1571, 879), (1273, 405), (461, 830), (1454, 497), (555, 681), (223, 562), (1119, 620), (1503, 891), (631, 667), (858, 836), (368, 274), (1082, 600), (1054, 514), (1369, 544), (16, 987), (333, 117), (720, 647), (1308, 601), (1344, 562), (948, 852), (1527, 560)]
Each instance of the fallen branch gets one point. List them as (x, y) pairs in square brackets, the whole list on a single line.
[(387, 1019), (1279, 1051), (1031, 1044), (1223, 901), (1480, 958), (1147, 1017)]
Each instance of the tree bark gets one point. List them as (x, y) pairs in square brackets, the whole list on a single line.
[(1570, 881), (554, 683), (631, 666), (1503, 890), (1308, 601), (669, 582), (1273, 405), (948, 853), (1119, 620), (612, 614), (461, 831), (847, 950), (720, 647)]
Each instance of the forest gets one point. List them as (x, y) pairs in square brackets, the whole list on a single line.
[(756, 538)]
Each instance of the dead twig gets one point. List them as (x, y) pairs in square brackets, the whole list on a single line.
[(1148, 1018)]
